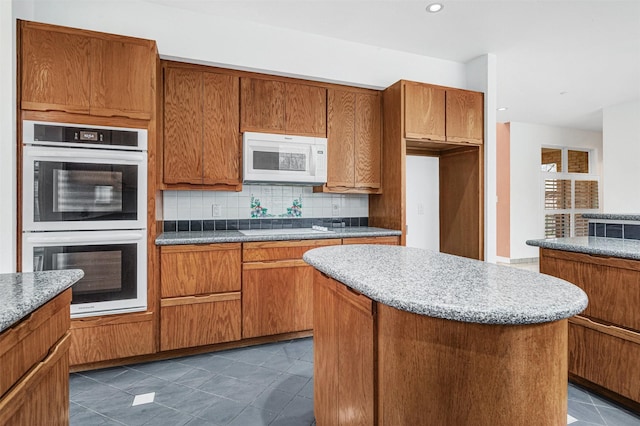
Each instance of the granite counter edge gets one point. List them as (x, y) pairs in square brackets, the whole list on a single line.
[(56, 283), (183, 238), (585, 249)]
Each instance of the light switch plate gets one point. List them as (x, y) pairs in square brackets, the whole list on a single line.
[(216, 210)]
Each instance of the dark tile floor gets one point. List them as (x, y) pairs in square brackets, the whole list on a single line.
[(262, 385)]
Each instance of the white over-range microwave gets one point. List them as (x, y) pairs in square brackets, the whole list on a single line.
[(284, 159)]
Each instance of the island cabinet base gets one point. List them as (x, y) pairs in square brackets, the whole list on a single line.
[(376, 365), (434, 371)]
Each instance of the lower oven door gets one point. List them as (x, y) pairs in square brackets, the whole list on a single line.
[(114, 265)]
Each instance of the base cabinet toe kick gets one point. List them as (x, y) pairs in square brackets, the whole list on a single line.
[(380, 364)]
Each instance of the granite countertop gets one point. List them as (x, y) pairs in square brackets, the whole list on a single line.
[(450, 287), (612, 216), (209, 237), (614, 247), (25, 292)]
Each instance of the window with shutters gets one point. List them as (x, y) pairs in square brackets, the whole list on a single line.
[(570, 188)]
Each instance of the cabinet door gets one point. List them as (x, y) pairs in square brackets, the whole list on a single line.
[(55, 70), (367, 141), (262, 105), (277, 297), (199, 269), (41, 397), (465, 122), (325, 349), (344, 364), (122, 78), (182, 126), (424, 112), (305, 110), (355, 358), (340, 141), (221, 136)]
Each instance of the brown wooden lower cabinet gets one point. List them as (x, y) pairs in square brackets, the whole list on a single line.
[(96, 339), (276, 297), (197, 321), (377, 365), (604, 341), (34, 355), (605, 355)]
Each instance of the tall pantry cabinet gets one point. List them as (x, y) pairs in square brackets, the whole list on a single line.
[(443, 122)]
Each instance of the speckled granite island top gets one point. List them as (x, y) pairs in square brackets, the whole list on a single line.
[(450, 287), (614, 247), (209, 237), (24, 293)]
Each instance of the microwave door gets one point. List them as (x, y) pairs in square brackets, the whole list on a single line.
[(269, 162)]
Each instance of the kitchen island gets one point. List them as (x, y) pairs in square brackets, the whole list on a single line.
[(34, 345), (604, 341), (409, 336)]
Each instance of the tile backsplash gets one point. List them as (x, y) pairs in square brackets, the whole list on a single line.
[(262, 201)]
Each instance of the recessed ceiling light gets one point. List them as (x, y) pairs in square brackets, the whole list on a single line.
[(434, 7), (503, 108)]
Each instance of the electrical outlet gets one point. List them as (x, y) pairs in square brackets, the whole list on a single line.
[(335, 209), (420, 209), (216, 210)]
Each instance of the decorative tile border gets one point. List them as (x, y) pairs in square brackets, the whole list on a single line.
[(623, 231), (263, 223)]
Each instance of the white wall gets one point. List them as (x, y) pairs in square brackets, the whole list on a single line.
[(209, 39), (527, 215), (621, 152), (482, 76), (423, 202), (7, 137)]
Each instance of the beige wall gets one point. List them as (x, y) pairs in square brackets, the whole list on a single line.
[(503, 190)]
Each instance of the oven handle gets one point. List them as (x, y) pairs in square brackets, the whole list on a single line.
[(84, 239), (63, 154)]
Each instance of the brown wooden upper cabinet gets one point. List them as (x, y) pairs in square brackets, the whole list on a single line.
[(465, 118), (424, 108), (354, 141), (273, 106), (202, 144), (443, 115), (77, 71)]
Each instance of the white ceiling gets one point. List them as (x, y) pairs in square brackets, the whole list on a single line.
[(588, 49)]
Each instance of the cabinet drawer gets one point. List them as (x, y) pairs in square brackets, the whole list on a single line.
[(281, 250), (391, 241), (612, 284), (199, 269), (42, 396), (95, 339), (197, 321), (28, 342), (605, 355)]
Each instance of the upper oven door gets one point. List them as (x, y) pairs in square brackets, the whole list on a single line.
[(83, 189)]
